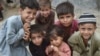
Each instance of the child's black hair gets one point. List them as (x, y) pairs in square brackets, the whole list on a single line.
[(65, 8), (32, 4), (36, 28), (56, 31)]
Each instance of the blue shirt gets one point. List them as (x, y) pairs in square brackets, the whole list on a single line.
[(11, 38)]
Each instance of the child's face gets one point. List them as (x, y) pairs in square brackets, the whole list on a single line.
[(37, 38), (56, 41), (27, 14), (45, 11), (87, 30), (66, 19)]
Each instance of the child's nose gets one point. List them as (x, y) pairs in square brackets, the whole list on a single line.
[(65, 19), (86, 31)]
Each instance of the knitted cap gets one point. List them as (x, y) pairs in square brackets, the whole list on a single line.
[(85, 18)]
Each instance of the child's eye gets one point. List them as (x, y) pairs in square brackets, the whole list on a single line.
[(33, 38), (39, 36), (83, 28), (61, 17), (67, 16), (89, 29), (29, 12)]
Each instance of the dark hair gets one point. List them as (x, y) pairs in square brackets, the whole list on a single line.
[(36, 28), (56, 31), (45, 3), (65, 8), (32, 4)]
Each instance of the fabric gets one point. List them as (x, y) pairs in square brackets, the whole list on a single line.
[(68, 30), (38, 50), (87, 18), (11, 38), (64, 50), (79, 48)]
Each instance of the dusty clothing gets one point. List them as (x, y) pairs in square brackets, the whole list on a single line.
[(81, 49), (68, 30), (45, 22), (64, 48)]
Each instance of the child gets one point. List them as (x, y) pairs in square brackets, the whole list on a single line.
[(86, 42), (38, 43), (65, 13), (15, 33), (57, 46), (45, 16)]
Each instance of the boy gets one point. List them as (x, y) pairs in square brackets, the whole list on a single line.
[(86, 42), (65, 13), (38, 43), (15, 33), (45, 15)]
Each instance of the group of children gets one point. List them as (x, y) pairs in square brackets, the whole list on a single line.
[(65, 37)]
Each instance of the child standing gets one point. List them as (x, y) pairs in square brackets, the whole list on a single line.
[(15, 33), (65, 13), (57, 46), (86, 42), (38, 43), (45, 15)]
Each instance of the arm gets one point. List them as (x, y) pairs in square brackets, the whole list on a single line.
[(64, 51), (12, 36), (73, 42), (49, 51)]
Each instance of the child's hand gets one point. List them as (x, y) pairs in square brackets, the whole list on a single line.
[(26, 27), (27, 30), (26, 36), (50, 49), (55, 49)]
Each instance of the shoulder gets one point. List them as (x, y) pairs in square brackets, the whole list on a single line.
[(76, 34), (65, 47), (74, 37), (13, 19), (57, 23), (75, 22), (96, 36)]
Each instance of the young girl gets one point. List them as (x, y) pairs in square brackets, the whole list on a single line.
[(38, 44), (45, 16), (57, 46)]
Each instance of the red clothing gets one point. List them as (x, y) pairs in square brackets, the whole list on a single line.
[(68, 30), (64, 50)]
